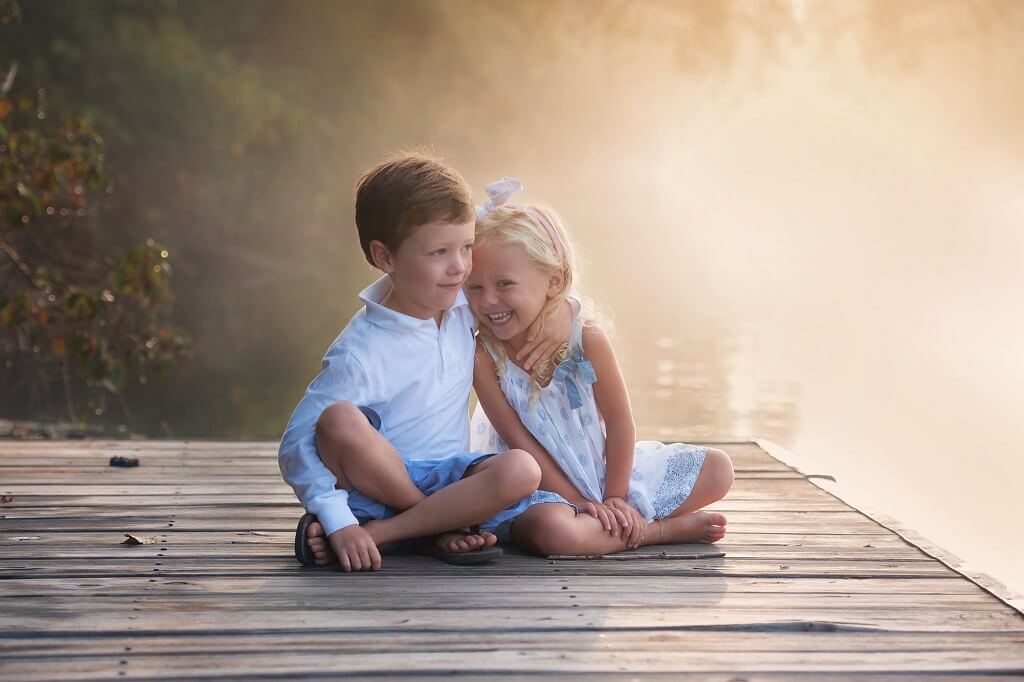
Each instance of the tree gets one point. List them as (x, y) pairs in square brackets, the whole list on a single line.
[(75, 310)]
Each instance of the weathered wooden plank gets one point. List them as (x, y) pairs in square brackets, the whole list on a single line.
[(242, 549), (40, 541), (288, 503), (742, 488), (649, 640), (519, 661), (401, 565), (844, 605), (521, 676), (314, 582), (503, 617), (834, 516)]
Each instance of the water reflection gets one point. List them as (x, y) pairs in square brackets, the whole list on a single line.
[(704, 387)]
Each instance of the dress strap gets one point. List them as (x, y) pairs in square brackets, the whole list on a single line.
[(575, 365)]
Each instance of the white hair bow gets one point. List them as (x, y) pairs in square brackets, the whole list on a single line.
[(499, 192)]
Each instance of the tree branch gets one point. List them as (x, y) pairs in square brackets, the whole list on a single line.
[(12, 254), (9, 80)]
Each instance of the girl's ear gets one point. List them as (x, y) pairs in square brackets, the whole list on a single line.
[(382, 257), (556, 282)]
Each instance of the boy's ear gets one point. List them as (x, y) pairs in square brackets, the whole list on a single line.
[(556, 282), (381, 256)]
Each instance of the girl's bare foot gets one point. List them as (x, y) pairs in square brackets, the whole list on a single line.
[(700, 526), (460, 542), (317, 542)]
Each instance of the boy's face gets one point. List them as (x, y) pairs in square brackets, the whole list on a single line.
[(428, 268)]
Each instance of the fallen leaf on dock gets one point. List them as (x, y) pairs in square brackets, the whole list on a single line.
[(138, 540)]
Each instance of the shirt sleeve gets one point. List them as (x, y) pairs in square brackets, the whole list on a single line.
[(341, 378)]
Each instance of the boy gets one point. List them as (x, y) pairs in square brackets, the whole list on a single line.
[(377, 447)]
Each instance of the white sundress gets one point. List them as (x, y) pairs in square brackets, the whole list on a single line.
[(565, 420)]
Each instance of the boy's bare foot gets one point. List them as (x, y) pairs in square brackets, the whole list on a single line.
[(700, 526), (317, 542), (459, 543)]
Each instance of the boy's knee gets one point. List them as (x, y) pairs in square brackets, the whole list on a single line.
[(520, 473), (720, 469), (341, 424)]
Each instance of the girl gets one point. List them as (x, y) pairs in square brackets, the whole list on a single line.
[(572, 412)]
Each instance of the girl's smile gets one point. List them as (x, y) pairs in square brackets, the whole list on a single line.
[(506, 291)]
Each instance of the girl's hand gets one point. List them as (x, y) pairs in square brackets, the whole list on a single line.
[(612, 520), (635, 529)]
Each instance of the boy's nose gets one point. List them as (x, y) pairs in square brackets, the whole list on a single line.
[(458, 265)]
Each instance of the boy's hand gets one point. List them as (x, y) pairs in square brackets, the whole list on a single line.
[(636, 524), (541, 344), (355, 549)]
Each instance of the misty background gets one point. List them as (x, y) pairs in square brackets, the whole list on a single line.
[(805, 218)]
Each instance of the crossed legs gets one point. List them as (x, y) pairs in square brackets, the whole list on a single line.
[(360, 457), (554, 528)]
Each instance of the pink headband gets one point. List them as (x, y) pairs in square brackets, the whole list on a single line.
[(500, 191)]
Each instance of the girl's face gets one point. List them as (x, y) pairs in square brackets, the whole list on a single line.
[(506, 291)]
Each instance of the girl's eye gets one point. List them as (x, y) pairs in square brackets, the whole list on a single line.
[(468, 247), (440, 252), (472, 287), (504, 284)]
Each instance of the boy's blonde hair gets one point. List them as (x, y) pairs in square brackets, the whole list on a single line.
[(404, 191), (522, 225)]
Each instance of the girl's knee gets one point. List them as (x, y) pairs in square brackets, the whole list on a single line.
[(719, 468), (519, 473), (341, 424), (553, 534)]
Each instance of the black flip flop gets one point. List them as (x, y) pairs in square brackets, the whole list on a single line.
[(303, 554), (476, 556)]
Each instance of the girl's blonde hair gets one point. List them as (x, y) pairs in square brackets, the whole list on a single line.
[(524, 225)]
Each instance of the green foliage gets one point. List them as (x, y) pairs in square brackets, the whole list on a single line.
[(74, 308)]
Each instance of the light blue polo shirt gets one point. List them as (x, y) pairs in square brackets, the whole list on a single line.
[(413, 373)]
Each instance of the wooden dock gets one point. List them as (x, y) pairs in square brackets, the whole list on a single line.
[(809, 587)]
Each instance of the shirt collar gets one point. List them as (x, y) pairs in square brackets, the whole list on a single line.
[(383, 316)]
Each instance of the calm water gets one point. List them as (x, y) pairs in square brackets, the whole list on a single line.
[(905, 461)]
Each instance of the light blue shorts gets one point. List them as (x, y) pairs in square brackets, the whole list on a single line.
[(431, 475)]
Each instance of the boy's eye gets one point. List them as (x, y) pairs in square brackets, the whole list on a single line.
[(473, 287), (468, 247), (504, 283), (439, 252)]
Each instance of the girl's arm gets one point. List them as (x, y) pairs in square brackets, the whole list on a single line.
[(613, 404), (508, 425)]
